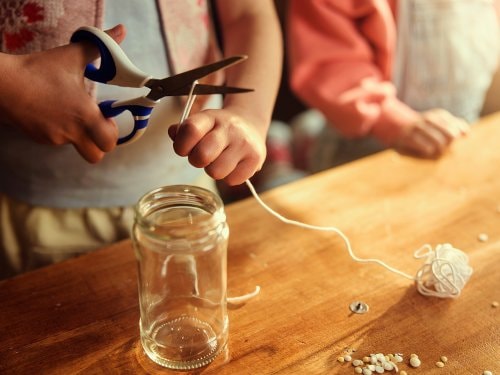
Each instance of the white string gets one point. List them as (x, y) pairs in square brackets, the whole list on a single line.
[(444, 273), (189, 103), (231, 301), (327, 229), (235, 301)]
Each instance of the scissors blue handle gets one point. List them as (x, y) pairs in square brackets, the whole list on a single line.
[(117, 69), (141, 114)]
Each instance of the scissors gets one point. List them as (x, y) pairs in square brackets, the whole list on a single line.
[(117, 69)]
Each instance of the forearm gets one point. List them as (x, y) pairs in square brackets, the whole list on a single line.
[(369, 107), (252, 28)]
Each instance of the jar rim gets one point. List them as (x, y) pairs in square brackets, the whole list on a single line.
[(176, 196)]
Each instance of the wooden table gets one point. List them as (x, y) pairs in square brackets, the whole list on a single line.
[(81, 316)]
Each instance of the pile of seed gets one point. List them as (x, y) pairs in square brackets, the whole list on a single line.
[(380, 363), (374, 363)]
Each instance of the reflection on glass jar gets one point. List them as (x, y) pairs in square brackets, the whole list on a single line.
[(180, 239)]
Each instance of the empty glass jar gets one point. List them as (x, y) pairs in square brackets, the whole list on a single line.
[(180, 239)]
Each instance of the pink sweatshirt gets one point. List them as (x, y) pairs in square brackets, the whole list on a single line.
[(341, 56)]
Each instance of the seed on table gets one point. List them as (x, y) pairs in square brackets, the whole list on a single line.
[(415, 362), (367, 371), (358, 370), (389, 366), (495, 304), (366, 359), (444, 359), (341, 359), (348, 358), (483, 237), (403, 373), (379, 369), (357, 362), (439, 364), (413, 355), (486, 372)]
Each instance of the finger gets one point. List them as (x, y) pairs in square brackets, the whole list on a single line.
[(117, 32), (208, 149), (92, 126), (104, 134), (91, 51), (424, 145), (236, 164), (191, 132), (446, 123), (242, 172), (224, 164), (460, 124), (172, 131), (417, 144), (463, 125), (88, 150), (434, 134), (441, 125)]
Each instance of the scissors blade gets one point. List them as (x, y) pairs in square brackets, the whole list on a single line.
[(164, 87), (201, 89)]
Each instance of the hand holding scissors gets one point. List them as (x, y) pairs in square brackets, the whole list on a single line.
[(117, 69)]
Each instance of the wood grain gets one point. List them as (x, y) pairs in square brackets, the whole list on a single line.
[(81, 316)]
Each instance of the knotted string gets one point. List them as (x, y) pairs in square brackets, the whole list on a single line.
[(445, 272)]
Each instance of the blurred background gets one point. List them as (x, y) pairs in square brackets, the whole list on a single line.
[(300, 140)]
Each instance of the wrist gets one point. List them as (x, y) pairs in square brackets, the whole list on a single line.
[(259, 119), (394, 119)]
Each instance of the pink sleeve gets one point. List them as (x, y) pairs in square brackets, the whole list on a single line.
[(340, 56)]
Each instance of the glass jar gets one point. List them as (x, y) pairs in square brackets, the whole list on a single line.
[(180, 239)]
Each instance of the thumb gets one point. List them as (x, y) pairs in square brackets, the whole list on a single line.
[(117, 32), (89, 50)]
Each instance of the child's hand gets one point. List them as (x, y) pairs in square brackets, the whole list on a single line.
[(49, 102), (431, 136), (225, 144)]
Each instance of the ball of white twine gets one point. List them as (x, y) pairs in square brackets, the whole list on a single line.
[(445, 272)]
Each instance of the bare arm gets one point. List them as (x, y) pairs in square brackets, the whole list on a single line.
[(230, 143), (250, 27)]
